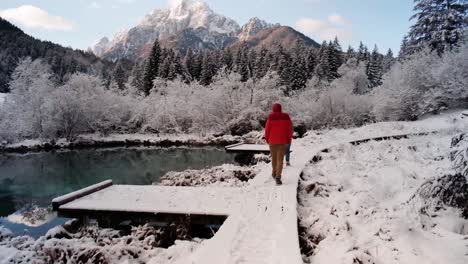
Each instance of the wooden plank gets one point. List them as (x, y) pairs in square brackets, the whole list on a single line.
[(233, 145), (160, 199), (61, 200), (252, 148)]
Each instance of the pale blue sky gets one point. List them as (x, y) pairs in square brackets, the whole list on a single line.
[(80, 23)]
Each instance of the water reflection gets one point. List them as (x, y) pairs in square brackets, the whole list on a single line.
[(34, 179)]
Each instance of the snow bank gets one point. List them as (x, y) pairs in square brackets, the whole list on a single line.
[(355, 203), (121, 140), (224, 175), (31, 215), (2, 98), (93, 245)]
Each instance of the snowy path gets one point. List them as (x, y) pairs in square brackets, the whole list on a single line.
[(264, 230)]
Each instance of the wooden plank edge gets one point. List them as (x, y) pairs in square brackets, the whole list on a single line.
[(61, 200), (233, 145)]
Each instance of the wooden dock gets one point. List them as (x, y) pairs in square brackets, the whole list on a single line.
[(111, 204), (248, 148)]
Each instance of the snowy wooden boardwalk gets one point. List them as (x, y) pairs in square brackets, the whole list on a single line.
[(261, 226)]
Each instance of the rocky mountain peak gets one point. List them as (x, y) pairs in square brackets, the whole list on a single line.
[(252, 27)]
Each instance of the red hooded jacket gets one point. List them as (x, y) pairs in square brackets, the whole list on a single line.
[(278, 129)]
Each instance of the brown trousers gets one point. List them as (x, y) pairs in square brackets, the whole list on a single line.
[(277, 155)]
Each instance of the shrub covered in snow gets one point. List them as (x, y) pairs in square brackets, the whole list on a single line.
[(96, 245), (459, 154), (225, 175), (450, 189), (423, 83)]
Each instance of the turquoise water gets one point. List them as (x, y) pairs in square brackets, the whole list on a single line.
[(32, 180)]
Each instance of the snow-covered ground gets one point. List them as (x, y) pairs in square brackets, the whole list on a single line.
[(359, 209), (2, 98), (358, 200)]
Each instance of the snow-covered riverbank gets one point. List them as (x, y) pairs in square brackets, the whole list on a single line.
[(128, 140)]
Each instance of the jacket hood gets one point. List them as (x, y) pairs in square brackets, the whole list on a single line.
[(276, 108)]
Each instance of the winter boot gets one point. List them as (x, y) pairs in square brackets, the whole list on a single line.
[(278, 181)]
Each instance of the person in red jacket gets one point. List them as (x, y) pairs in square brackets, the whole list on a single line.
[(278, 134)]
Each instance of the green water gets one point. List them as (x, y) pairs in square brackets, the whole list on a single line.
[(34, 179)]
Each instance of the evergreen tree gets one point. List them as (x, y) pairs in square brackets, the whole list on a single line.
[(119, 76), (282, 60), (163, 72), (294, 73), (350, 53), (243, 62), (261, 64), (189, 64), (323, 67), (175, 69), (388, 61), (152, 67), (137, 75), (440, 24), (363, 53), (197, 67), (336, 58), (374, 69), (404, 49), (207, 72), (228, 59), (311, 62), (284, 67), (252, 64), (298, 78)]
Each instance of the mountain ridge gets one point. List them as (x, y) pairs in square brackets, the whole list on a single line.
[(193, 24)]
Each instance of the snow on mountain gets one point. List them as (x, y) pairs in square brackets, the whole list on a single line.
[(252, 27), (165, 23), (101, 47)]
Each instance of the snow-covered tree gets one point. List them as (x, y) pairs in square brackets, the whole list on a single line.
[(323, 69), (353, 76), (31, 84), (439, 24), (261, 64), (137, 75), (363, 53), (375, 69), (423, 82), (152, 67), (119, 77), (388, 61), (350, 53), (311, 62), (189, 64), (335, 57), (207, 69)]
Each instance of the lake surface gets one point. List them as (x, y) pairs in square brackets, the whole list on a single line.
[(29, 182)]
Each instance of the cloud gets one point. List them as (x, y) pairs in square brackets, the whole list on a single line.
[(95, 5), (333, 25), (338, 20), (35, 17)]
